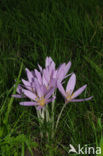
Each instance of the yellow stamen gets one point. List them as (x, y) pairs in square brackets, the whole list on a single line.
[(41, 101), (69, 96)]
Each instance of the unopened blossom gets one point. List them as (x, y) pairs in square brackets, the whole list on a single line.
[(68, 94)]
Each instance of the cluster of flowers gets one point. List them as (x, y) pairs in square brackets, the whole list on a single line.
[(40, 86)]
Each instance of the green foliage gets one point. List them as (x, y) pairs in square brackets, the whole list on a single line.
[(98, 70), (11, 145), (65, 30)]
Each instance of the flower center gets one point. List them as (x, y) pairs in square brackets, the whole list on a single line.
[(69, 96), (41, 101)]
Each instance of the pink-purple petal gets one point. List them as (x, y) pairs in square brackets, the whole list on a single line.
[(50, 100), (17, 96), (49, 94), (26, 84), (50, 60), (44, 81), (44, 89), (38, 75), (28, 103), (60, 71), (67, 67), (47, 62), (39, 107), (40, 68), (61, 89), (46, 74), (19, 89), (52, 65), (54, 74), (68, 75), (79, 91), (29, 74), (29, 94), (81, 100), (61, 75), (38, 89), (52, 83), (71, 83)]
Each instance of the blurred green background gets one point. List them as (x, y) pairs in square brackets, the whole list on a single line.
[(66, 30)]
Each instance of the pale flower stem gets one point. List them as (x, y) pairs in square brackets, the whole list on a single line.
[(47, 117), (47, 114), (52, 119), (59, 116), (40, 114)]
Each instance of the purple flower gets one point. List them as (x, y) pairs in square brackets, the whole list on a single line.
[(39, 100), (68, 94), (35, 90), (36, 93), (62, 71), (40, 85)]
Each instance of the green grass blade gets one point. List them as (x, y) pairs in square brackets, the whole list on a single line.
[(98, 70), (12, 98)]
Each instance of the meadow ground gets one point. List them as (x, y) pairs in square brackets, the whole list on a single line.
[(65, 30)]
